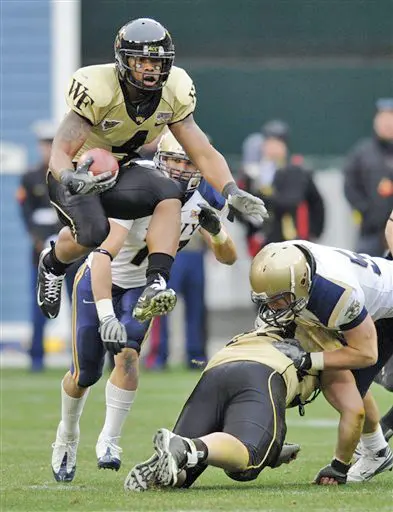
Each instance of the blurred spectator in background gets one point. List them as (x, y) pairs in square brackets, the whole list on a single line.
[(188, 281), (295, 206), (41, 222), (369, 180)]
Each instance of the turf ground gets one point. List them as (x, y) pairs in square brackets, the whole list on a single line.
[(30, 409)]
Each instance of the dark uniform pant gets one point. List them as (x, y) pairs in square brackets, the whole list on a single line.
[(88, 352), (137, 192), (245, 399)]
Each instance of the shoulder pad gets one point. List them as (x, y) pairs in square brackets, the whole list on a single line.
[(98, 83), (181, 85)]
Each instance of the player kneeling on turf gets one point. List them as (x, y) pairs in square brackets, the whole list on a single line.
[(234, 419)]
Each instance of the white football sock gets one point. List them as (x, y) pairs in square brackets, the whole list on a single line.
[(375, 441), (118, 405), (71, 411)]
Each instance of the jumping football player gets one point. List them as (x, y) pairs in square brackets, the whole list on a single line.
[(349, 294), (105, 293), (120, 107)]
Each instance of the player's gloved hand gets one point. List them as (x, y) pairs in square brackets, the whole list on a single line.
[(81, 182), (292, 349), (244, 202), (334, 473), (113, 334), (209, 220)]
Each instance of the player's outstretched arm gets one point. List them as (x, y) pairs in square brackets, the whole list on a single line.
[(70, 137), (112, 331), (361, 350), (205, 157), (215, 236), (389, 232), (214, 168)]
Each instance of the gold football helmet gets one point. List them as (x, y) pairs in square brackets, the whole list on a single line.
[(171, 158), (280, 279)]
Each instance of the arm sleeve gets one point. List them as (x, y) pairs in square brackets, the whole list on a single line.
[(85, 97), (185, 98), (353, 312)]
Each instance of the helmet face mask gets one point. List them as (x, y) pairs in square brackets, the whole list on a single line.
[(282, 315), (144, 40), (172, 160)]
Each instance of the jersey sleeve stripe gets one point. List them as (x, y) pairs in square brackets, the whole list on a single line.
[(356, 321)]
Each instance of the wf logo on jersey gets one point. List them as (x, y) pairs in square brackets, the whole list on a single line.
[(78, 92), (108, 124)]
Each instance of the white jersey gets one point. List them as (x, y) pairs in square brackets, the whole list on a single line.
[(346, 286), (129, 266)]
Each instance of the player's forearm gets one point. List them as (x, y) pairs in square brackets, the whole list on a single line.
[(222, 246), (225, 252), (70, 137), (59, 162), (214, 169), (348, 358), (101, 277), (389, 233)]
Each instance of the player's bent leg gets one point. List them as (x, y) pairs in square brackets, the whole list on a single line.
[(162, 240), (73, 399), (378, 456), (120, 394), (86, 227), (123, 383), (387, 424)]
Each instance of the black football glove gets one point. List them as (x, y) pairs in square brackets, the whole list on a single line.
[(209, 220), (113, 334), (82, 182), (292, 349), (244, 202), (336, 471)]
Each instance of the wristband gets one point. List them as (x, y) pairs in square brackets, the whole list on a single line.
[(230, 189), (105, 252), (220, 238), (317, 361), (104, 308)]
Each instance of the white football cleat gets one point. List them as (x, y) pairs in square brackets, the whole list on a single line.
[(108, 453), (64, 456), (142, 476), (370, 464)]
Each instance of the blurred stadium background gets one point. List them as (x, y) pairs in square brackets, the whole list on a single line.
[(319, 64)]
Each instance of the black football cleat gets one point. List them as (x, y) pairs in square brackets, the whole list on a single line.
[(155, 300), (48, 288)]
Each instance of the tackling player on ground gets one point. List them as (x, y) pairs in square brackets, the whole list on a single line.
[(235, 417), (350, 295), (105, 293), (120, 107)]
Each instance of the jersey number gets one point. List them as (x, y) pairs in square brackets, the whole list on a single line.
[(132, 144), (143, 253), (361, 260)]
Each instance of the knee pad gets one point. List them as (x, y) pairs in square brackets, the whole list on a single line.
[(89, 376), (255, 458), (93, 235), (244, 476)]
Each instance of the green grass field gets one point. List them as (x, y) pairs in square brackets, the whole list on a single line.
[(30, 408)]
